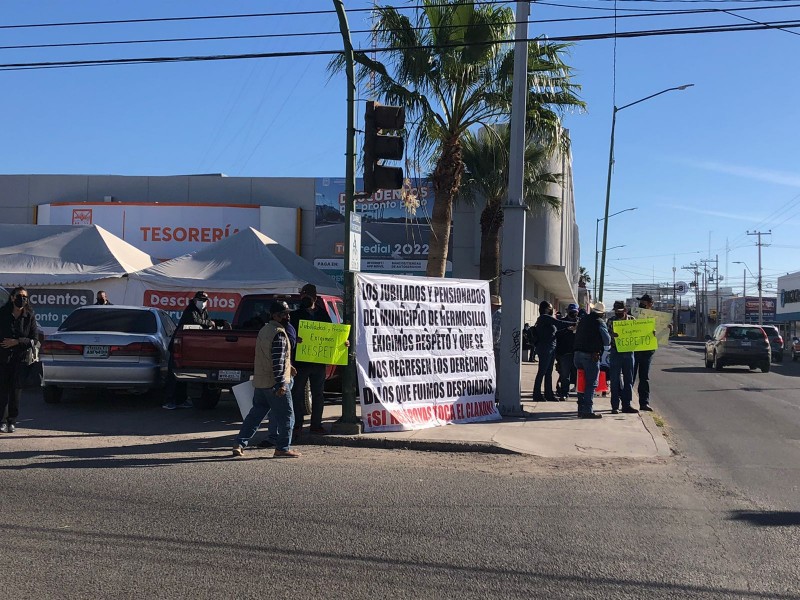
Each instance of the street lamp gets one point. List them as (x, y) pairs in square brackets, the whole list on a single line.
[(744, 273), (610, 167), (596, 252)]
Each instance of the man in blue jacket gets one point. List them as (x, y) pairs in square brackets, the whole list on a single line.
[(591, 338), (547, 326)]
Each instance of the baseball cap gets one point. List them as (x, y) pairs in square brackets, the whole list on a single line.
[(278, 306), (572, 307), (201, 296), (309, 289), (496, 300), (619, 305)]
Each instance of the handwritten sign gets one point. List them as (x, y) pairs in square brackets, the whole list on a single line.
[(636, 334), (322, 343), (663, 320)]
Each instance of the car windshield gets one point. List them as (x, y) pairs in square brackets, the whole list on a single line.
[(745, 333), (111, 319)]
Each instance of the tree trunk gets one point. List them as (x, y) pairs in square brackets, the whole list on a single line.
[(491, 222), (446, 180)]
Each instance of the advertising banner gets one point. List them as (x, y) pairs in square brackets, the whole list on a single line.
[(322, 343), (395, 229), (751, 309), (221, 305), (424, 352), (163, 231), (636, 334)]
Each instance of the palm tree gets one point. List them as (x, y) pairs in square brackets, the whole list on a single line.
[(583, 277), (452, 71), (486, 158)]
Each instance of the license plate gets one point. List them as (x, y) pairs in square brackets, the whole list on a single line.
[(226, 375), (744, 344), (95, 351)]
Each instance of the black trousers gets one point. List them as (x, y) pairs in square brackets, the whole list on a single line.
[(9, 392)]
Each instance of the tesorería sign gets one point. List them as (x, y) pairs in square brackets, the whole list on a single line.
[(424, 352)]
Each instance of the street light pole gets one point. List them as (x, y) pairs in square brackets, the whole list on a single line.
[(610, 169), (596, 251)]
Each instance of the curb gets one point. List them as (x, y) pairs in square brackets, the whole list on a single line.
[(355, 441), (662, 446)]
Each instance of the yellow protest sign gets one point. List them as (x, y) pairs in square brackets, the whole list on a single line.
[(663, 320), (322, 343), (636, 334)]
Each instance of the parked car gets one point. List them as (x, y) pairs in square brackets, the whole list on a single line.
[(735, 344), (107, 347), (795, 348), (775, 342)]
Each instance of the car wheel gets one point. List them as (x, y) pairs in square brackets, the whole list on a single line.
[(765, 366), (209, 398), (717, 363), (780, 357), (52, 394), (708, 362), (794, 357)]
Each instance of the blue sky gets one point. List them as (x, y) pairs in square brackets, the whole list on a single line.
[(702, 166)]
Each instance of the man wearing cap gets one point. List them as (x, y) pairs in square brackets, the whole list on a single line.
[(546, 328), (591, 338), (311, 309), (195, 313), (565, 347), (643, 358), (272, 376), (497, 310), (621, 364)]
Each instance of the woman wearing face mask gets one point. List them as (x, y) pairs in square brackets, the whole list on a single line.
[(195, 313), (19, 332)]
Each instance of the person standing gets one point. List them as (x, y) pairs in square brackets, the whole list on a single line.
[(312, 308), (565, 343), (591, 338), (497, 316), (642, 361), (195, 313), (621, 364), (272, 376), (102, 299), (526, 342), (19, 333), (547, 326)]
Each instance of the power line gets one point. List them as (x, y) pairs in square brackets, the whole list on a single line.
[(286, 54)]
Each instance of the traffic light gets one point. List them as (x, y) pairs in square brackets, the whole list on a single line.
[(378, 146)]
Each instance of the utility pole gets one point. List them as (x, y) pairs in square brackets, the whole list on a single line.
[(716, 279), (694, 268), (760, 293)]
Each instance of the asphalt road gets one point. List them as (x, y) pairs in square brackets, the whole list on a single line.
[(738, 425), (106, 497)]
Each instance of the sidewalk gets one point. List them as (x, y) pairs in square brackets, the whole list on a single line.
[(550, 429)]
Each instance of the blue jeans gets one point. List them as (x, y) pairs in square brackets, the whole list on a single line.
[(547, 358), (642, 371), (281, 418), (591, 372), (565, 366), (621, 364)]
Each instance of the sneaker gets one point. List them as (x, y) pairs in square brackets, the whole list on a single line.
[(614, 411), (4, 428), (590, 416), (630, 410), (266, 444), (286, 454), (11, 428), (317, 430), (169, 406), (185, 404), (238, 450)]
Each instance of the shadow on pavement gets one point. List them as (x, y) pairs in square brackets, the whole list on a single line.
[(768, 518), (687, 370)]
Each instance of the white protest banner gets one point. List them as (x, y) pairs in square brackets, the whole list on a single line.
[(423, 352), (663, 320)]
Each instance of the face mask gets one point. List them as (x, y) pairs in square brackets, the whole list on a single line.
[(201, 304), (306, 302), (20, 301)]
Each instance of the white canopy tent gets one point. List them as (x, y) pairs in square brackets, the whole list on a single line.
[(246, 263)]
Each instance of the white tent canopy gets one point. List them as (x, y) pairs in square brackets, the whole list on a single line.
[(248, 261), (46, 255)]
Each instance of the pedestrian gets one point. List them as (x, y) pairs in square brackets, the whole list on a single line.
[(195, 313), (590, 339), (546, 328), (20, 333), (621, 364), (102, 299), (272, 376), (565, 343), (643, 359), (497, 315), (312, 308), (526, 342)]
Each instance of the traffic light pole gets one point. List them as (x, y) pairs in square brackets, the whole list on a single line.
[(349, 423)]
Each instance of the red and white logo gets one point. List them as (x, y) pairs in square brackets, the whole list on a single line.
[(81, 216)]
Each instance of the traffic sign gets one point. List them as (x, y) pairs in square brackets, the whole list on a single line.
[(681, 288)]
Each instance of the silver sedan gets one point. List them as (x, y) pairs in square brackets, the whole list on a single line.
[(109, 347)]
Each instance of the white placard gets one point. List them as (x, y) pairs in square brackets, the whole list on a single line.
[(424, 352)]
